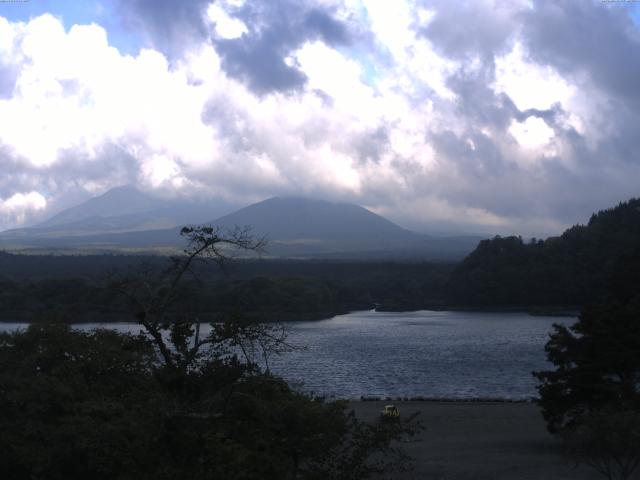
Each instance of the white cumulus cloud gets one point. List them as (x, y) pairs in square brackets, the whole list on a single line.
[(17, 206)]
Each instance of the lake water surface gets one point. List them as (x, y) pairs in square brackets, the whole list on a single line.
[(459, 355)]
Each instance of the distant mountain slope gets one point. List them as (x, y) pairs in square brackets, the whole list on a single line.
[(572, 269), (115, 202), (121, 209), (294, 227), (303, 227), (303, 218)]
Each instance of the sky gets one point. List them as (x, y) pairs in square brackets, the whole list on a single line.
[(500, 117)]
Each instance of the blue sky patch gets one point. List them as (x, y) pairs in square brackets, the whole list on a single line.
[(77, 12)]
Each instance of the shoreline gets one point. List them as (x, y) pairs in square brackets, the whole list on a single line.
[(483, 400), (533, 310), (480, 441), (286, 317)]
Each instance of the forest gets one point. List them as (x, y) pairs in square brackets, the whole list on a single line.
[(553, 275), (80, 288), (573, 269)]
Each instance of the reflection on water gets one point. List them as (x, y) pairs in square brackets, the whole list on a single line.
[(429, 354)]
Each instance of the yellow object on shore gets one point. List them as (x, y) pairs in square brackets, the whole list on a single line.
[(390, 411)]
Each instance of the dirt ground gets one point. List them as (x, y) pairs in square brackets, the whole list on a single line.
[(481, 441)]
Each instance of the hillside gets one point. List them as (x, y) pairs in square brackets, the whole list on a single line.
[(110, 204), (121, 209), (40, 287), (295, 227), (308, 227), (304, 218), (572, 269)]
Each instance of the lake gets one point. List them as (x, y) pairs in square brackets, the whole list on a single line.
[(457, 355)]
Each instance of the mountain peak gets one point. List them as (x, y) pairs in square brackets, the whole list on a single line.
[(123, 199), (127, 189), (287, 218)]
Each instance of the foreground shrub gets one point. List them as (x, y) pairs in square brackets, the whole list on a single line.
[(103, 405)]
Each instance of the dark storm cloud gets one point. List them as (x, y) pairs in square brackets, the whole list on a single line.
[(478, 175), (109, 161), (594, 46), (623, 140), (480, 105), (474, 154), (548, 115), (275, 29), (566, 189), (370, 145), (468, 29), (257, 58), (598, 42), (17, 175), (477, 102), (168, 25), (260, 64), (328, 28), (594, 39)]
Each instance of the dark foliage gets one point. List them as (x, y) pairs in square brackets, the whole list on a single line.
[(102, 405), (570, 270), (598, 365), (46, 288), (592, 398), (73, 404), (608, 441)]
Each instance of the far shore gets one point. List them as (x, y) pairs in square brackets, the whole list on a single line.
[(539, 311), (284, 317), (480, 440)]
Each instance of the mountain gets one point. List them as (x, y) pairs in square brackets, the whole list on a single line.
[(109, 205), (573, 269), (302, 218), (317, 228), (121, 209), (294, 227)]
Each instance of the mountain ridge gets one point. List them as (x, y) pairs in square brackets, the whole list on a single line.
[(119, 210), (295, 227), (289, 216), (124, 196)]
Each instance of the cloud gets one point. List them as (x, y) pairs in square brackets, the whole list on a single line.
[(529, 84), (593, 40), (487, 116), (469, 30), (253, 38), (274, 29), (224, 25), (531, 133), (166, 25), (18, 205)]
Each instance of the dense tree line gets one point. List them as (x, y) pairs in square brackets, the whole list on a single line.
[(592, 398), (570, 270), (266, 290), (103, 405)]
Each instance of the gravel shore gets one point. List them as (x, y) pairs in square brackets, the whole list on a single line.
[(481, 441)]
